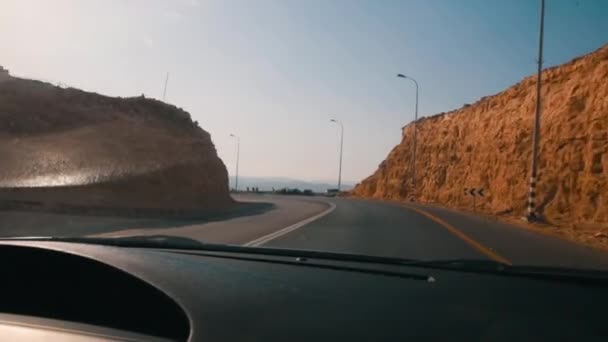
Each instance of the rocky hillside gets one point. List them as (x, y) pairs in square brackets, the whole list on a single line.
[(488, 144), (71, 146)]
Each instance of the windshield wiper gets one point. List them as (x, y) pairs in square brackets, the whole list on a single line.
[(538, 272), (468, 264), (294, 257), (464, 265), (143, 241), (184, 243)]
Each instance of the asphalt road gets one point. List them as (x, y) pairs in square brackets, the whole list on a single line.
[(384, 228), (359, 226), (431, 233), (238, 229)]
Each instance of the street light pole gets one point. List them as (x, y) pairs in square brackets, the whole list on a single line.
[(238, 150), (532, 215), (341, 145), (415, 140), (165, 89)]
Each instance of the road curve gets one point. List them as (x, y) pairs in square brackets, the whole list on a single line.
[(424, 232), (382, 228), (240, 228)]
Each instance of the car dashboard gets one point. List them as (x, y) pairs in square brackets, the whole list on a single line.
[(85, 292)]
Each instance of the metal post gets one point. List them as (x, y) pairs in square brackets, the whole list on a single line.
[(238, 150), (415, 143), (474, 204), (413, 162), (341, 146), (165, 89), (532, 214), (340, 167)]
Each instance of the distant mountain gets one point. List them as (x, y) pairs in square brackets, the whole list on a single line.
[(268, 183)]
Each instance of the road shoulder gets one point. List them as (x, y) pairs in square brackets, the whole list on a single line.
[(520, 244), (287, 211)]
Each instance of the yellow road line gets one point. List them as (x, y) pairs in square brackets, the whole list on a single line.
[(476, 245)]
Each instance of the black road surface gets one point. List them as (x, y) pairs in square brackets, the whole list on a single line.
[(401, 230), (381, 228)]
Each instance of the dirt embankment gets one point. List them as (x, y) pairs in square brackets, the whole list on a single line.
[(73, 147), (488, 145)]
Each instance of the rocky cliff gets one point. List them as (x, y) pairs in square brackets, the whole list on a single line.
[(488, 145), (70, 146)]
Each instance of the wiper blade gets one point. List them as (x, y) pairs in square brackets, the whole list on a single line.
[(299, 257), (144, 241), (463, 264), (179, 242), (537, 272)]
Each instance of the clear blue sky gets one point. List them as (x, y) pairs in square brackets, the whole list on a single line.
[(275, 72)]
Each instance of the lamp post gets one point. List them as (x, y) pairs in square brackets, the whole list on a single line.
[(238, 148), (413, 162), (341, 145), (532, 214), (165, 88)]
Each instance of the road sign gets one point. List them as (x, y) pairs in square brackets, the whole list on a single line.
[(474, 192)]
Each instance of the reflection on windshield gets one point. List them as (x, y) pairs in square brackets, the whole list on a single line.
[(54, 180)]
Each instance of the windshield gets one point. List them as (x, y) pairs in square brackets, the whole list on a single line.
[(422, 130)]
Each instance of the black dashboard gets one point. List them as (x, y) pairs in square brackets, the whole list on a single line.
[(145, 294), (46, 283)]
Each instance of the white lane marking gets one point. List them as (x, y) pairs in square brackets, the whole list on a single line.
[(260, 241)]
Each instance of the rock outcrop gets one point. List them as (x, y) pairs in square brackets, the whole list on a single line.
[(488, 145), (74, 147)]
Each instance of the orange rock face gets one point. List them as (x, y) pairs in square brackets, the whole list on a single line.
[(489, 144)]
